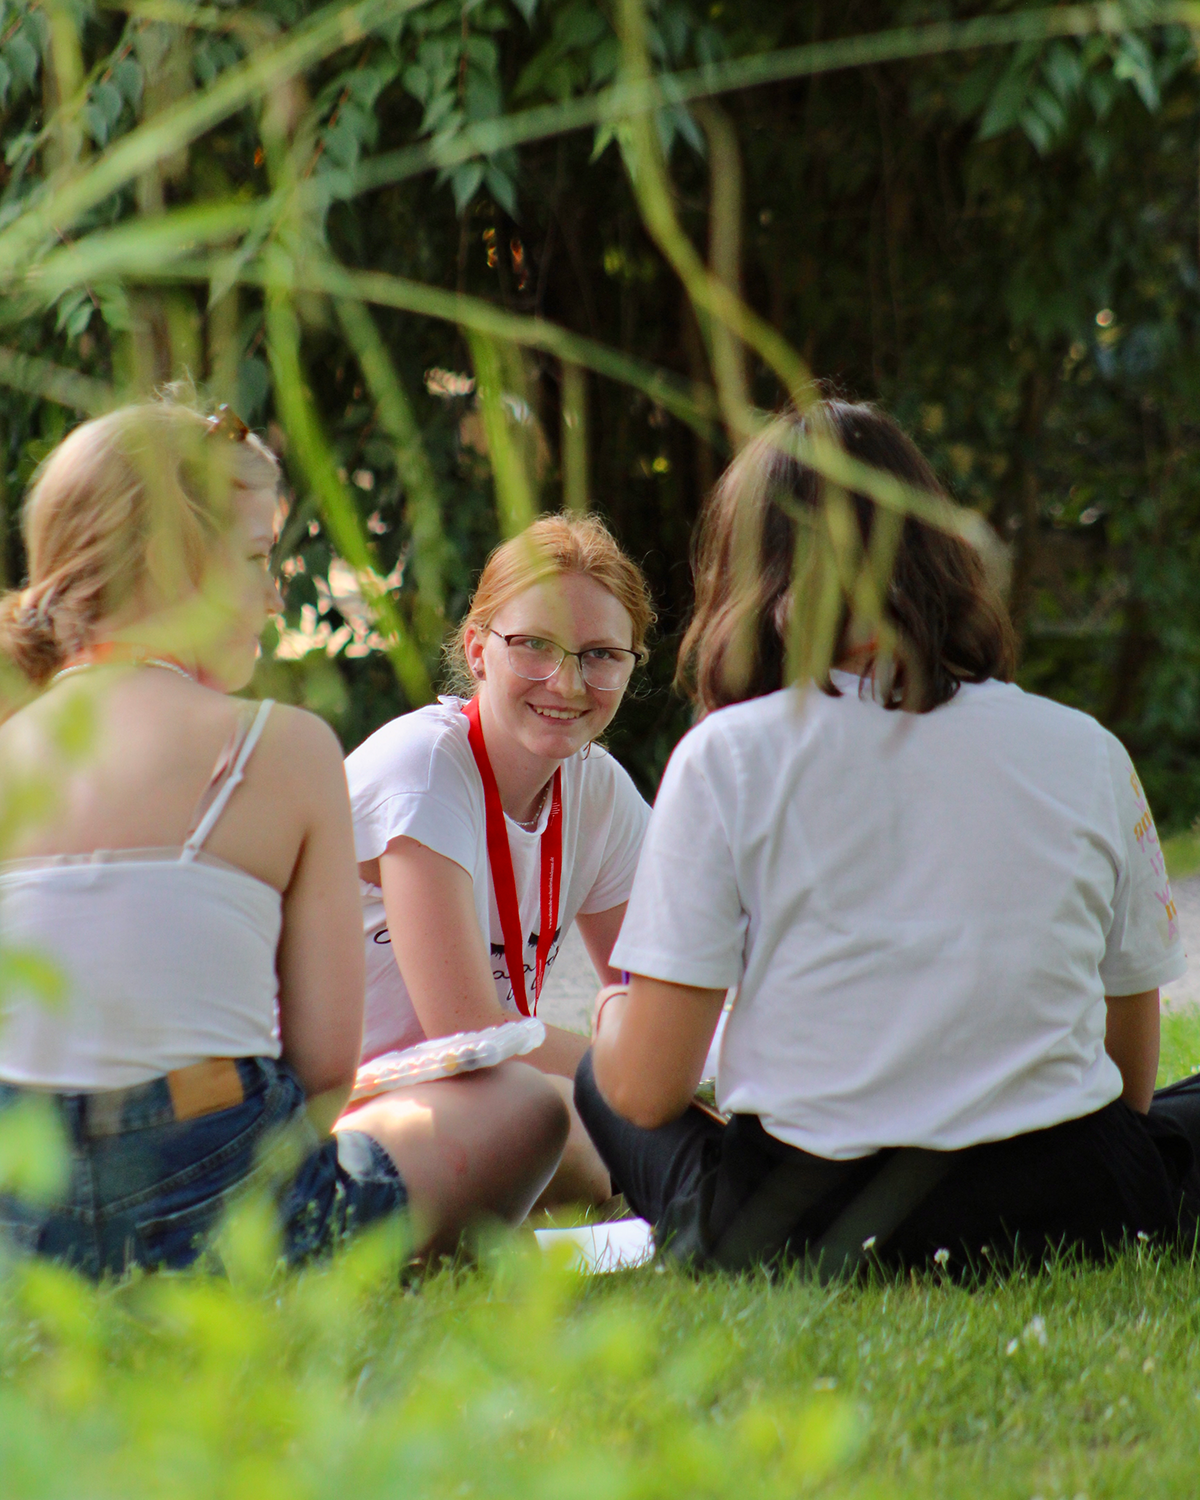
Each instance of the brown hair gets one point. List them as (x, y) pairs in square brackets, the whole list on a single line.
[(949, 623), (553, 545), (127, 500)]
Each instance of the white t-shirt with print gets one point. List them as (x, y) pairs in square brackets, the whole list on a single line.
[(922, 913), (417, 778)]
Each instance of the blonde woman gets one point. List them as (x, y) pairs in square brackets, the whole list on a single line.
[(194, 885), (487, 823)]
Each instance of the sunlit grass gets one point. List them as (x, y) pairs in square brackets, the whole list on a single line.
[(1182, 853), (521, 1378)]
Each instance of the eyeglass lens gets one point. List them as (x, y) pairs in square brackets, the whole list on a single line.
[(537, 661)]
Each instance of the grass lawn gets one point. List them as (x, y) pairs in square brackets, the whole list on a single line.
[(523, 1379)]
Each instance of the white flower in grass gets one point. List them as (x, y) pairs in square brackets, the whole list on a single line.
[(1012, 1346), (1035, 1332), (869, 1242), (942, 1256)]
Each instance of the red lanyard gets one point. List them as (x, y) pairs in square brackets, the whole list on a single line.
[(504, 882)]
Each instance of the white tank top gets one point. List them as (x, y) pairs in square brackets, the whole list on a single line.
[(165, 956)]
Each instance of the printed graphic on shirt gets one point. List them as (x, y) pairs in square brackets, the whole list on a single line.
[(1146, 835), (500, 968)]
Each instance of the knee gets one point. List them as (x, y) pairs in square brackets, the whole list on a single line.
[(541, 1111), (586, 1091)]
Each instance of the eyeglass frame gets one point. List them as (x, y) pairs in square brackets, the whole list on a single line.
[(639, 656)]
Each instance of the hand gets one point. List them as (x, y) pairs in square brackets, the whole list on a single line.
[(609, 992)]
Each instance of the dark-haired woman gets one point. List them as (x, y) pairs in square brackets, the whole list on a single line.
[(941, 901)]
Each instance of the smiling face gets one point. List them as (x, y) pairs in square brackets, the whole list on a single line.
[(550, 720)]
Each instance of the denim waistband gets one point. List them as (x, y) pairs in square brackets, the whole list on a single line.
[(142, 1106)]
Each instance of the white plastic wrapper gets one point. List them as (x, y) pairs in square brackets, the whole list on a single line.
[(447, 1055)]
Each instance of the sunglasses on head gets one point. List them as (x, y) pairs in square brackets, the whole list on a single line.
[(226, 423)]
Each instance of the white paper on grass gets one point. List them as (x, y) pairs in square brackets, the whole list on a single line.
[(620, 1246), (445, 1056)]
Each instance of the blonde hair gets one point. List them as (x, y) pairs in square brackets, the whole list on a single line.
[(137, 498), (551, 547)]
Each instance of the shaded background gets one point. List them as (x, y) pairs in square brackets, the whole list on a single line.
[(999, 246)]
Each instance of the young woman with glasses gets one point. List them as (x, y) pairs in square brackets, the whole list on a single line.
[(487, 823), (189, 877)]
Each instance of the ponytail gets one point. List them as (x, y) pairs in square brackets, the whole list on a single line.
[(28, 637)]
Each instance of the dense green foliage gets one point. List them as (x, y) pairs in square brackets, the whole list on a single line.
[(520, 1378), (998, 243)]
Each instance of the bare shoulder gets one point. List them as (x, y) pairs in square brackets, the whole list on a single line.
[(306, 731), (299, 747)]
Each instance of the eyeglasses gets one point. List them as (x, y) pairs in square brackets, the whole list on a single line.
[(226, 423), (536, 659)]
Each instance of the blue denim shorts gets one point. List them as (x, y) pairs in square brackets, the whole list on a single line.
[(146, 1189)]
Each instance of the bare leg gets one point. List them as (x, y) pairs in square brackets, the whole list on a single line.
[(582, 1176), (482, 1145)]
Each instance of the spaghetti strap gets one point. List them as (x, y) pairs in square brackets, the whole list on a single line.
[(225, 788)]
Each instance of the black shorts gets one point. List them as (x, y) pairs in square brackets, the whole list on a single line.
[(1085, 1185)]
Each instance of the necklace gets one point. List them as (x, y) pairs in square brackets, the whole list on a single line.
[(530, 824), (108, 653)]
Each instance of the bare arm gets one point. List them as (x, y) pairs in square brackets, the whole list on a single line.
[(437, 943), (320, 955), (651, 1039), (1131, 1037), (599, 930)]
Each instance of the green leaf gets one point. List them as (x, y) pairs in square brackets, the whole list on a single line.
[(1063, 71), (328, 30), (95, 124), (1134, 63), (114, 305), (1037, 130), (35, 1152), (483, 52), (441, 113), (605, 60), (1101, 90), (109, 100), (579, 26), (28, 973), (503, 189), (21, 56), (465, 181), (130, 79), (528, 9), (341, 144), (73, 727), (418, 82), (1007, 102), (481, 97)]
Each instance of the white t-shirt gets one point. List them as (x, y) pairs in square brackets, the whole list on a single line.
[(923, 913), (417, 778)]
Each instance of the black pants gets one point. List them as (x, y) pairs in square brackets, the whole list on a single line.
[(1085, 1185)]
